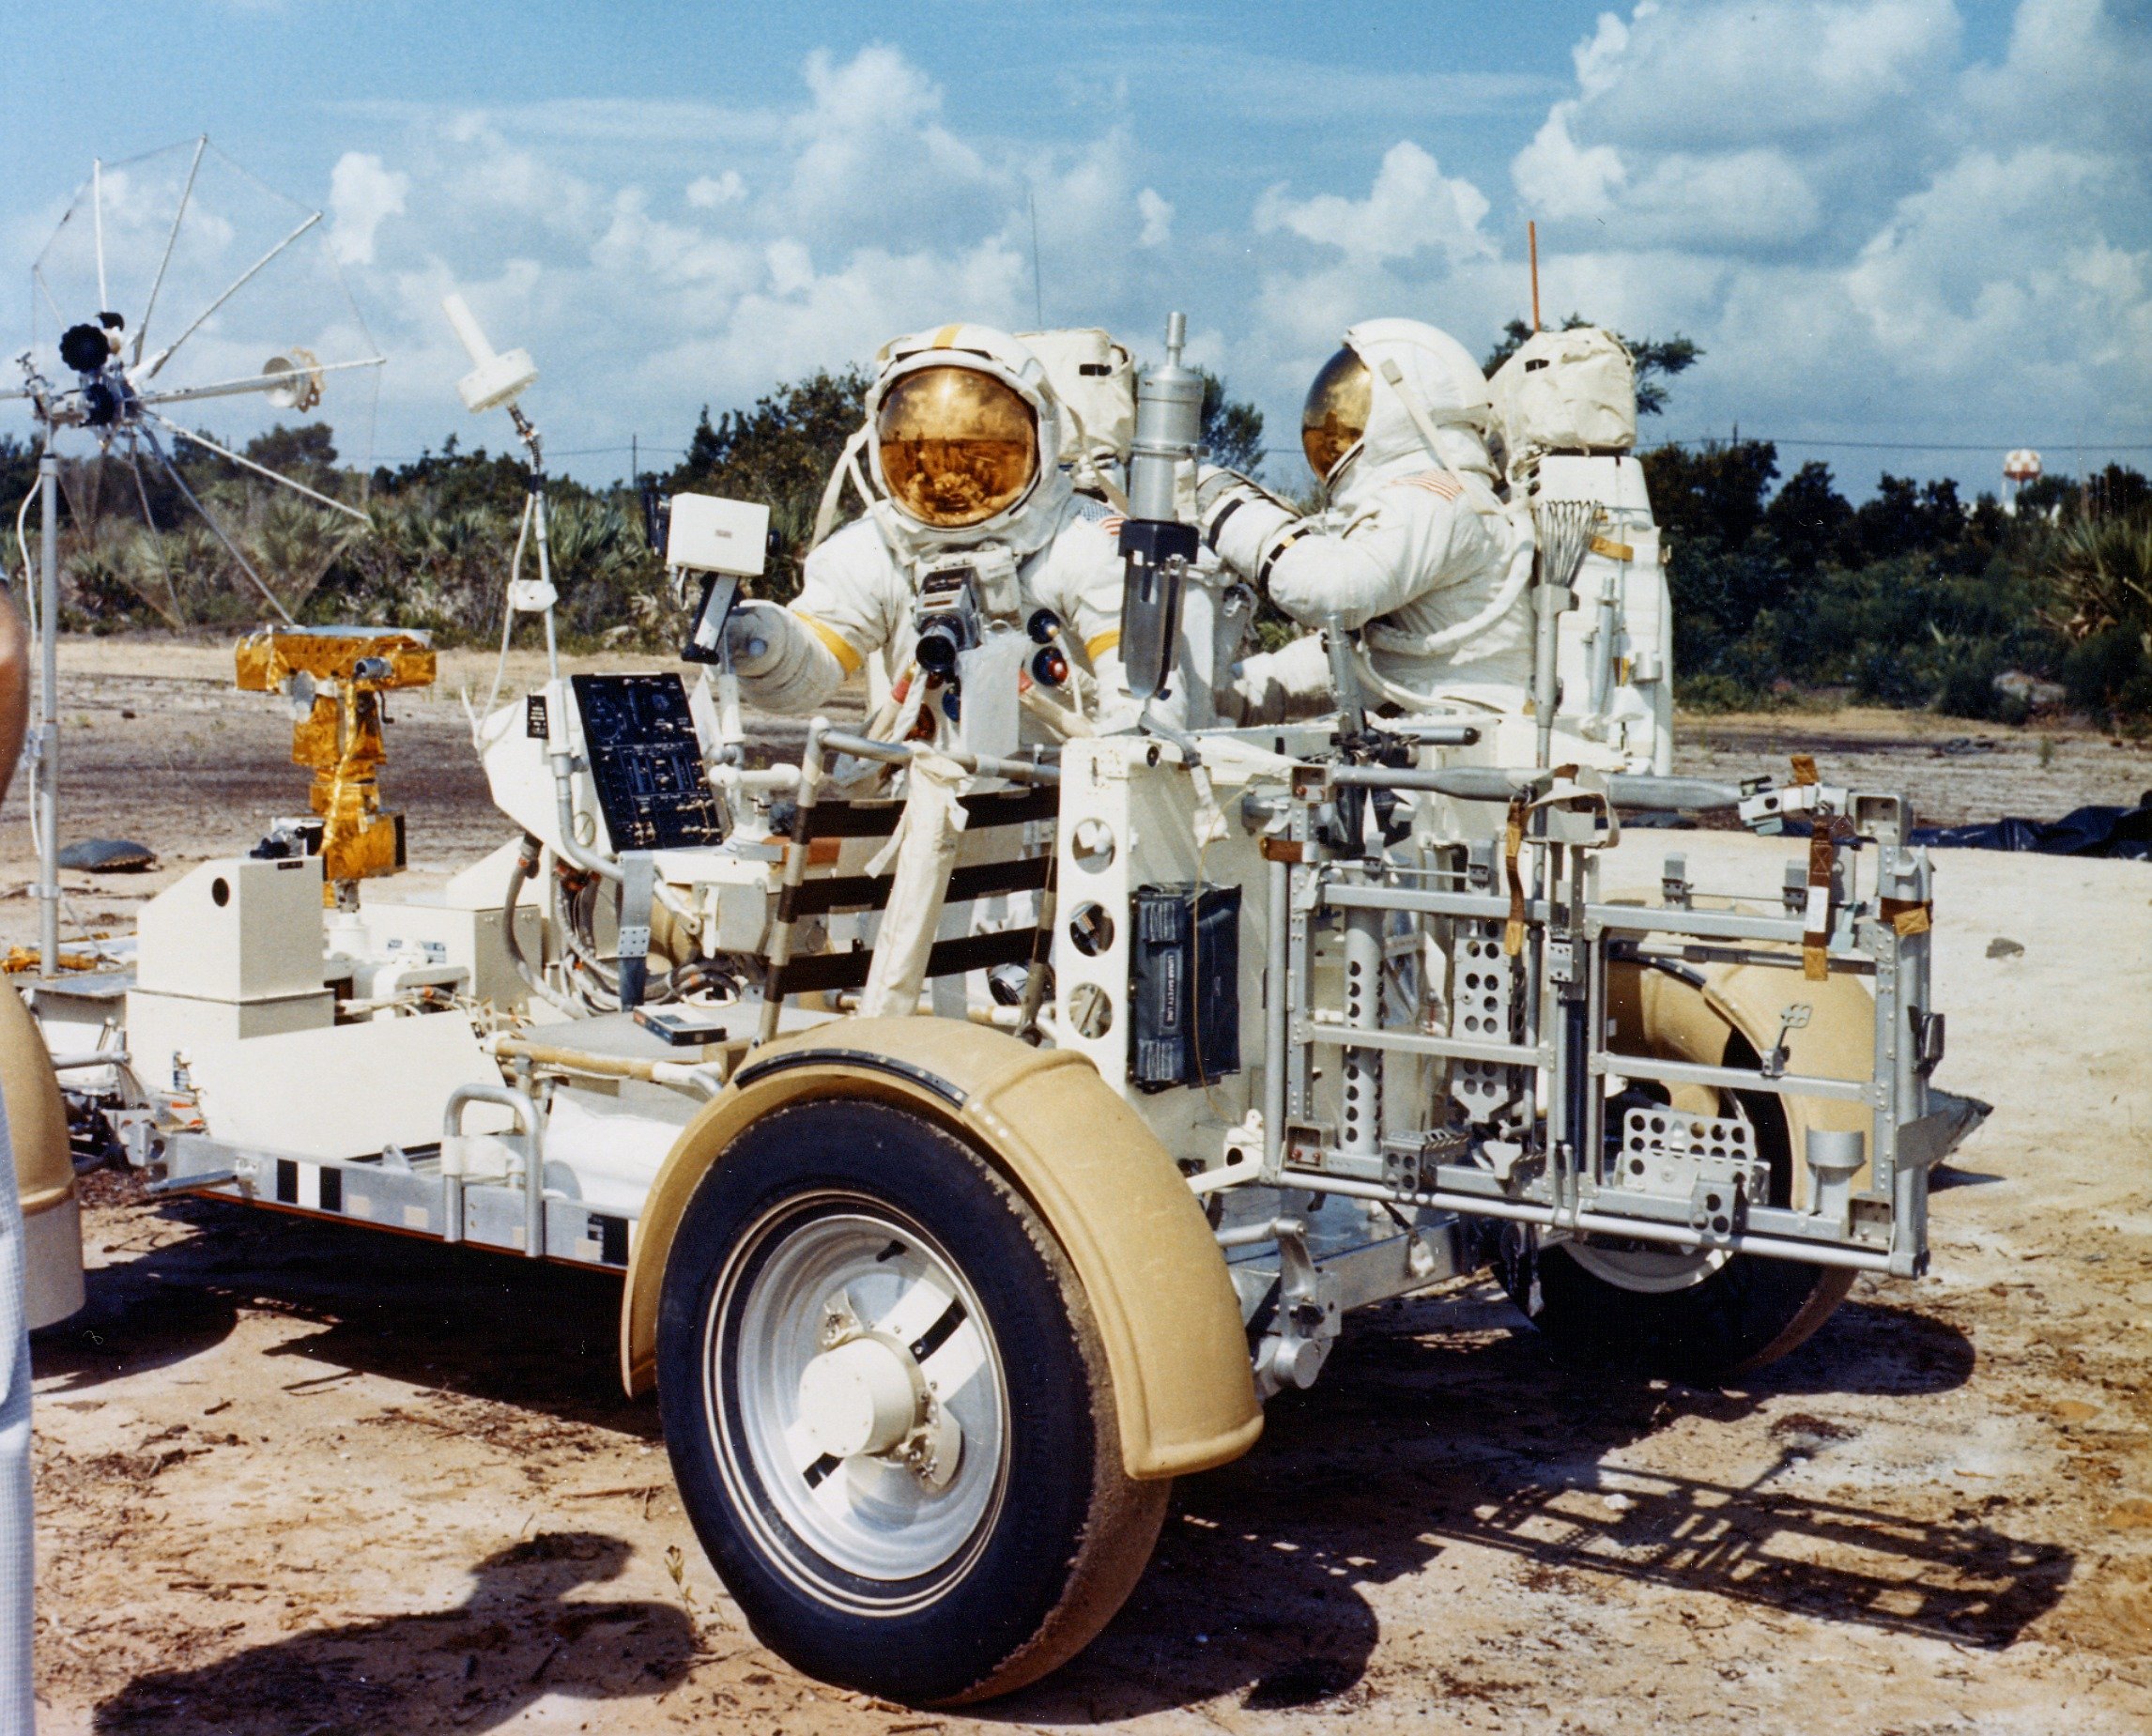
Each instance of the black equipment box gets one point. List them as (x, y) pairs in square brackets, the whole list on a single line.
[(647, 763), (1184, 985)]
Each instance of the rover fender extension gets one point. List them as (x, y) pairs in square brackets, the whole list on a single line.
[(1138, 1239)]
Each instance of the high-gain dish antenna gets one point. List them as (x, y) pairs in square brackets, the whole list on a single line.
[(179, 288)]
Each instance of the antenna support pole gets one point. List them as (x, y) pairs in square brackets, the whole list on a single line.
[(1531, 242), (534, 480), (45, 755)]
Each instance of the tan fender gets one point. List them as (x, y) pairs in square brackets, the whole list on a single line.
[(36, 1118), (1105, 1186), (44, 1168), (1672, 1019)]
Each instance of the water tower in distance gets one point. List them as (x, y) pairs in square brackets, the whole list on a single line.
[(2018, 467)]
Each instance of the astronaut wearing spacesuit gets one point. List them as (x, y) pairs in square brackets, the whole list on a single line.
[(961, 437), (1416, 553)]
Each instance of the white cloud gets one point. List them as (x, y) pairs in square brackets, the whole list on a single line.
[(1411, 206), (1751, 197), (1863, 233), (1867, 234), (363, 194), (706, 192), (801, 239), (2074, 69), (1157, 213), (1695, 73), (1558, 178), (872, 159)]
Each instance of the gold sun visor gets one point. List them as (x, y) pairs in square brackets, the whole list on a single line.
[(1335, 415), (958, 446)]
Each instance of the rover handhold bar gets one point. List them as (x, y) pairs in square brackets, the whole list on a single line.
[(1635, 1229), (901, 753), (1493, 783)]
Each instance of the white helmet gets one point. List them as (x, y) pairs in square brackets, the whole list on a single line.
[(1355, 409)]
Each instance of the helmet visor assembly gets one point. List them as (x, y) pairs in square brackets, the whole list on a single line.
[(957, 446), (1335, 415)]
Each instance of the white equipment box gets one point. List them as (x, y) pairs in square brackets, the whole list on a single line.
[(230, 953), (706, 534), (433, 932), (236, 929)]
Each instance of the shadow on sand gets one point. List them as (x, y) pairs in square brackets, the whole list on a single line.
[(1411, 1443), (516, 1636), (464, 1320), (1439, 1422)]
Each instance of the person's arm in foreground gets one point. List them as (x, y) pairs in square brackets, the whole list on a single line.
[(15, 652), (17, 1706)]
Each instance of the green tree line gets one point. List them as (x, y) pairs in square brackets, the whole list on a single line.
[(1781, 587), (1915, 597)]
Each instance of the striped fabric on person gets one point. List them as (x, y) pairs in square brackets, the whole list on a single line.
[(1435, 481)]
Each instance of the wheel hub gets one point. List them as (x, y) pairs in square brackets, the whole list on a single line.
[(862, 1396), (864, 1391)]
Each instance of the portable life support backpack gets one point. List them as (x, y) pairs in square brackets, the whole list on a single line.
[(1565, 392), (1095, 379)]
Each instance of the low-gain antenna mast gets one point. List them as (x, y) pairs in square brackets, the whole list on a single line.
[(496, 380)]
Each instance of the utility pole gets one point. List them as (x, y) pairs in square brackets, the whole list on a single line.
[(45, 751)]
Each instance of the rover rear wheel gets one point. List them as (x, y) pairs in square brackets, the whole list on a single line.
[(1703, 1316), (889, 1409)]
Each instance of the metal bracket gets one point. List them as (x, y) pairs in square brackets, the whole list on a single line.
[(639, 874), (1928, 1040), (1294, 1355), (1408, 1171), (1795, 1017), (1717, 1208)]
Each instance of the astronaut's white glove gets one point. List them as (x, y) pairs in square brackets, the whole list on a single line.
[(1239, 520), (751, 638), (1280, 687), (782, 666)]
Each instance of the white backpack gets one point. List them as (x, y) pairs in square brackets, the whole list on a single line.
[(1095, 379), (1571, 392)]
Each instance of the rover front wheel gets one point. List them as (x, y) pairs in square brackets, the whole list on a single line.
[(889, 1409)]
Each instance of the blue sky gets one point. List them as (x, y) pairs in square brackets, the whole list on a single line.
[(1895, 221)]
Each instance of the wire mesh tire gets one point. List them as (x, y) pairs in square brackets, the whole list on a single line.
[(925, 1580), (1702, 1318)]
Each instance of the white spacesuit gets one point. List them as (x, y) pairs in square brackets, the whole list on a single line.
[(962, 432), (1416, 551)]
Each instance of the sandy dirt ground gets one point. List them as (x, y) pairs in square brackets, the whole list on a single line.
[(306, 1480)]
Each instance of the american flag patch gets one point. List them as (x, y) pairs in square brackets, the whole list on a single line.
[(1112, 526), (1435, 481)]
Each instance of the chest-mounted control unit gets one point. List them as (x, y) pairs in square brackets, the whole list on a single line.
[(958, 599)]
